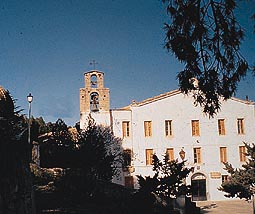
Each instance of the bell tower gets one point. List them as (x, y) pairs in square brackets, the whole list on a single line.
[(94, 99)]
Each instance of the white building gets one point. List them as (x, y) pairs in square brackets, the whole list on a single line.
[(171, 123)]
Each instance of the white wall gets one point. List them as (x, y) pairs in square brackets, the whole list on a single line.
[(180, 109), (101, 118)]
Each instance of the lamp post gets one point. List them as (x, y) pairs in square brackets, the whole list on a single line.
[(29, 99)]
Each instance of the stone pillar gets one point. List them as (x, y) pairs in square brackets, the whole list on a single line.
[(36, 153)]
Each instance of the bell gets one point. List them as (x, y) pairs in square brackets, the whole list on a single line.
[(94, 107)]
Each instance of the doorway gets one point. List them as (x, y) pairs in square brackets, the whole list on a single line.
[(198, 187)]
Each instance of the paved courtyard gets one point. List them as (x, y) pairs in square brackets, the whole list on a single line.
[(225, 207)]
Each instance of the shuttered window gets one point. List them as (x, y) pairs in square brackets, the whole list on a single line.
[(240, 126), (197, 155), (170, 153), (149, 156), (242, 153), (195, 127), (129, 182), (224, 178), (168, 128), (223, 154), (221, 127), (147, 128), (127, 157), (126, 129)]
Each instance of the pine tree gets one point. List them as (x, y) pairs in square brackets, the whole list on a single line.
[(241, 182), (15, 154), (99, 152), (167, 183), (206, 37)]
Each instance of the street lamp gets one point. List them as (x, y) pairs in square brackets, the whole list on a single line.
[(29, 99)]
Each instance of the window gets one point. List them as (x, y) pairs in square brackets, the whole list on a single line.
[(94, 102), (129, 182), (221, 126), (242, 153), (195, 127), (147, 128), (126, 128), (197, 155), (149, 156), (224, 178), (168, 127), (170, 153), (127, 157), (223, 154), (93, 81), (240, 126)]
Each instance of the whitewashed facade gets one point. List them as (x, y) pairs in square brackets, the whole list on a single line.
[(170, 122)]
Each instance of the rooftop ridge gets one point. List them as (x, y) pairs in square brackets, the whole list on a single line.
[(159, 97), (169, 94), (243, 101), (93, 70)]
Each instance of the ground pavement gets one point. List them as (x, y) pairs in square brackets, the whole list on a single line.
[(225, 207)]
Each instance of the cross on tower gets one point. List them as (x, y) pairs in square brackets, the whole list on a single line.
[(94, 63)]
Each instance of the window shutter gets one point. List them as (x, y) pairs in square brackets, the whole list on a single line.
[(170, 153)]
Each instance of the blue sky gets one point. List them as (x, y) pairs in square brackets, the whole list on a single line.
[(47, 45)]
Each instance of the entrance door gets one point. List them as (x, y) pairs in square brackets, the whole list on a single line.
[(198, 187)]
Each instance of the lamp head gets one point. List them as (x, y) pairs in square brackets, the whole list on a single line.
[(182, 154), (30, 98)]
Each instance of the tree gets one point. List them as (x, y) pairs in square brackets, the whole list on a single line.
[(40, 127), (95, 150), (167, 183), (15, 179), (96, 159), (206, 36), (99, 152), (241, 182), (57, 146)]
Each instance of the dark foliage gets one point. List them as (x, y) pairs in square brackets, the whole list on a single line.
[(39, 127), (99, 152), (96, 151), (57, 146), (206, 37), (241, 181), (167, 183), (90, 159), (15, 155)]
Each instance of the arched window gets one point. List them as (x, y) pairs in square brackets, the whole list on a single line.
[(94, 102), (93, 81)]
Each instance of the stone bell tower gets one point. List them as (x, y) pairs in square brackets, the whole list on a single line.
[(94, 99)]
